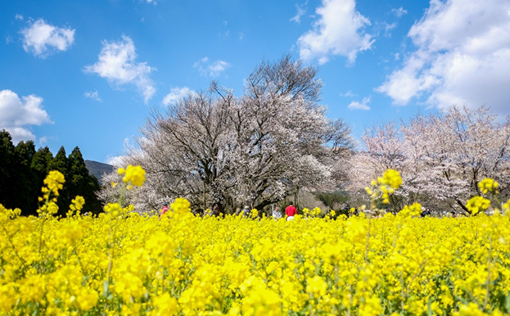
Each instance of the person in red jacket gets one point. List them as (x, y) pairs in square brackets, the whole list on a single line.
[(290, 211), (164, 209)]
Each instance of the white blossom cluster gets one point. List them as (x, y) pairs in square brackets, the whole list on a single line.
[(441, 157)]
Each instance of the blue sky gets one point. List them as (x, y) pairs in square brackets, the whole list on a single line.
[(89, 73)]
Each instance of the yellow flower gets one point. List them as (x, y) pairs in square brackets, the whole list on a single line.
[(391, 177), (180, 206), (113, 208), (477, 204), (165, 305), (77, 203), (506, 208), (316, 286), (54, 181), (87, 299), (52, 208), (7, 297), (472, 309), (413, 210), (133, 174), (488, 185)]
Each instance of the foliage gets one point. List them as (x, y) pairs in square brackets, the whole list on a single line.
[(23, 169), (82, 183)]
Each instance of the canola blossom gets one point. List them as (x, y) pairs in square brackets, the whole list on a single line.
[(189, 265), (488, 185), (133, 174), (384, 186), (477, 204), (125, 263)]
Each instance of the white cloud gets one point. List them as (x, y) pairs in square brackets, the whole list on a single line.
[(176, 94), (130, 146), (94, 95), (42, 39), (18, 17), (299, 14), (363, 105), (399, 12), (388, 28), (117, 64), (16, 114), (348, 94), (338, 31), (213, 69), (116, 161), (462, 57), (43, 140)]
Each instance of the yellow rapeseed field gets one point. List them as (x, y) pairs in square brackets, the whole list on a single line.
[(123, 263)]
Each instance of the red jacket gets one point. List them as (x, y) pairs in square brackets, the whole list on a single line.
[(163, 211), (290, 210)]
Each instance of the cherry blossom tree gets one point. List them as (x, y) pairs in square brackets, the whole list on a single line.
[(212, 147), (441, 157)]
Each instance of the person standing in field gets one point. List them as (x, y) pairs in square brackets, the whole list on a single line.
[(276, 213), (246, 211), (290, 211), (164, 209)]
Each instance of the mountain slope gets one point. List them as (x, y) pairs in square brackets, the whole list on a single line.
[(97, 169)]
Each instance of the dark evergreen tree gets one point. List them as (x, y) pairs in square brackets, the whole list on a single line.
[(24, 185), (7, 172), (23, 169), (61, 163), (40, 167), (41, 163), (82, 183)]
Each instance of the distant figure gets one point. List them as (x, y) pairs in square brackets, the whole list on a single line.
[(277, 214), (453, 214), (246, 211), (426, 212), (164, 209), (290, 211), (216, 209)]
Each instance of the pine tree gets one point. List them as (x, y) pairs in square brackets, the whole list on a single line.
[(7, 173), (26, 191), (61, 163), (23, 169), (40, 167), (82, 183), (41, 163)]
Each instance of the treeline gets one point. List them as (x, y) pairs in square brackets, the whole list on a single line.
[(23, 169)]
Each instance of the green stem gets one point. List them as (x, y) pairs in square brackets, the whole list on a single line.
[(488, 283)]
